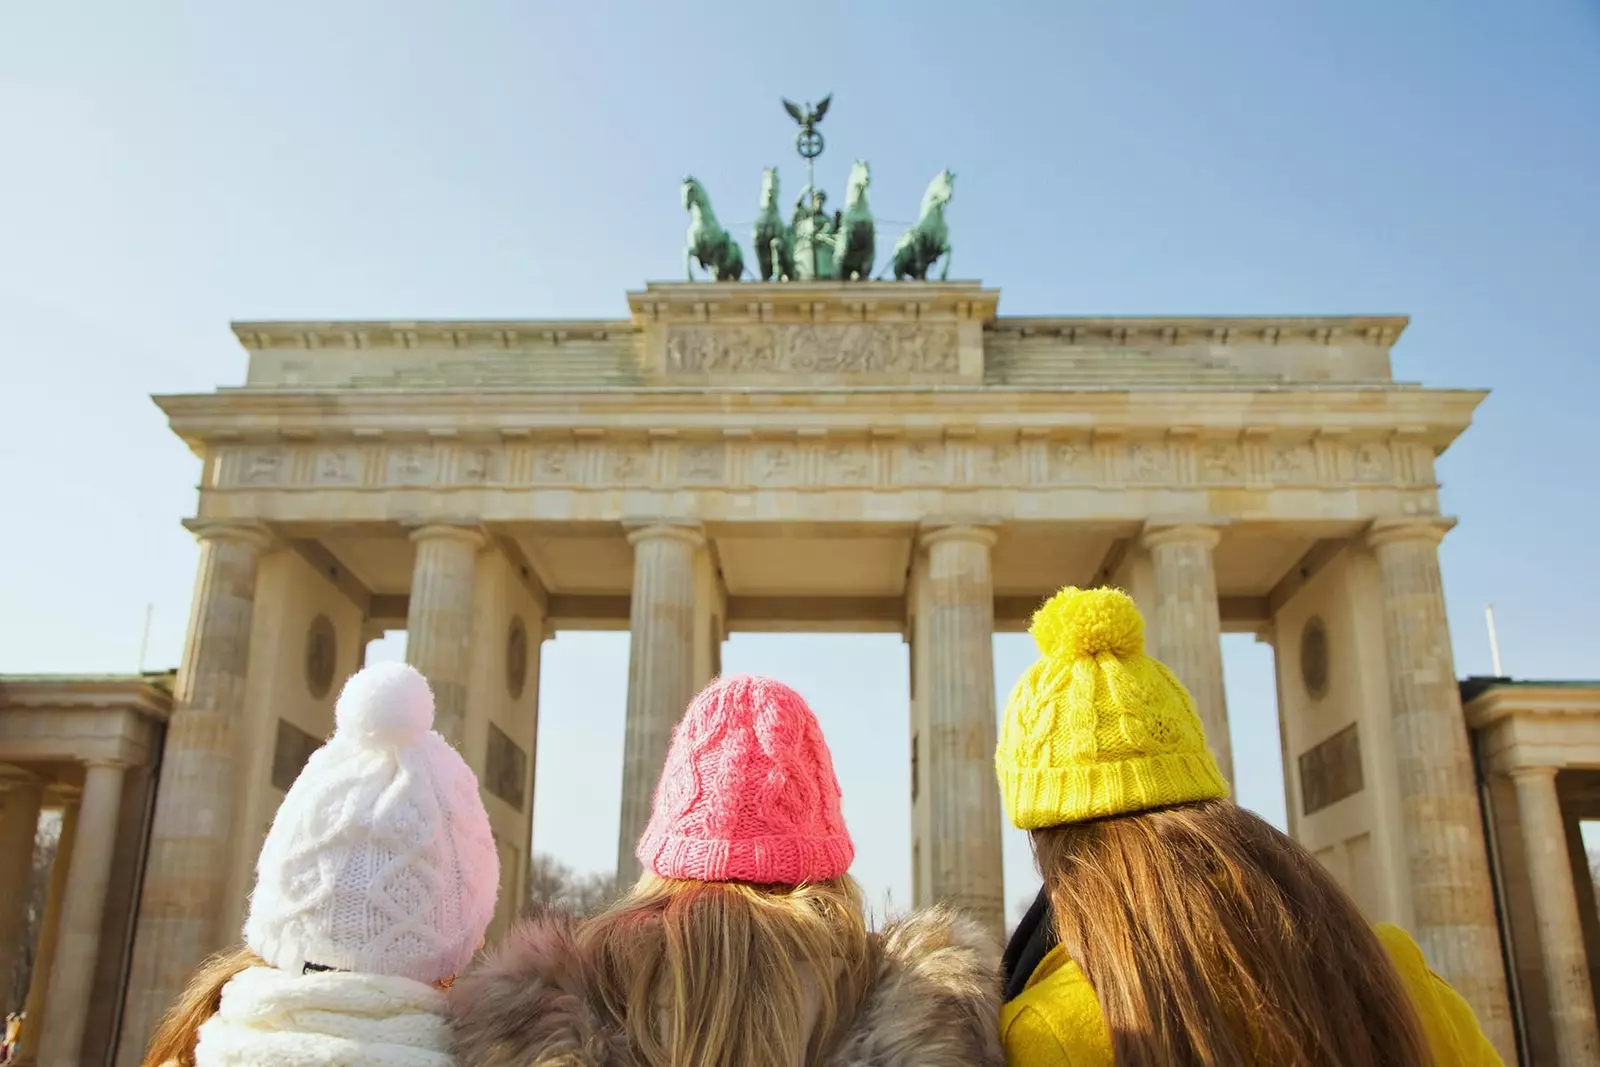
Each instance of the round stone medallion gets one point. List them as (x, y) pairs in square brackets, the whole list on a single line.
[(1314, 657), (516, 657), (321, 651)]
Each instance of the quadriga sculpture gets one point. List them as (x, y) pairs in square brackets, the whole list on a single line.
[(708, 242), (855, 245), (929, 239), (771, 236)]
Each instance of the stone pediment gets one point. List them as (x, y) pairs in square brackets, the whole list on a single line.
[(814, 335)]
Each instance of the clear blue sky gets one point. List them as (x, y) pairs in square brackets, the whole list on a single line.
[(167, 168)]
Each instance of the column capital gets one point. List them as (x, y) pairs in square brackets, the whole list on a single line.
[(975, 533), (1533, 772), (253, 534), (1155, 535), (449, 531), (94, 762), (688, 533), (1389, 531)]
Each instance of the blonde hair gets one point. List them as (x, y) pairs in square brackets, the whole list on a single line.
[(175, 1038), (724, 974), (1210, 938)]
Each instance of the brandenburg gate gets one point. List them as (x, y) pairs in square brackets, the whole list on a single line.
[(822, 456)]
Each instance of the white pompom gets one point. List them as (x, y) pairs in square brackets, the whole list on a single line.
[(386, 704)]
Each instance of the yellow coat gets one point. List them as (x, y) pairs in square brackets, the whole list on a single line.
[(1056, 1020)]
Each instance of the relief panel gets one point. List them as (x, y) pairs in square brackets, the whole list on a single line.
[(338, 466), (702, 462), (848, 464), (412, 465), (822, 348), (773, 464), (1292, 465), (1148, 463)]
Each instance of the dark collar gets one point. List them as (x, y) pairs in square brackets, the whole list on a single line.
[(1030, 943)]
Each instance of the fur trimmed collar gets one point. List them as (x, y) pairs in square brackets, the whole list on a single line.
[(934, 1002)]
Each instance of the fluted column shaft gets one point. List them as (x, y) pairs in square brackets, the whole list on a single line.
[(1555, 907), (190, 835), (1452, 900), (439, 620), (19, 825), (78, 941), (49, 932), (1188, 625), (964, 816), (661, 676)]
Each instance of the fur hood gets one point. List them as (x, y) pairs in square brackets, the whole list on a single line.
[(934, 1002)]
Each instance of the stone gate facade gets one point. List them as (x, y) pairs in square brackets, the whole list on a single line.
[(866, 457)]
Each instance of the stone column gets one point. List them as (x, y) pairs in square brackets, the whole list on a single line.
[(958, 708), (78, 942), (439, 620), (661, 670), (49, 933), (191, 833), (1555, 907), (19, 823), (1188, 625), (1448, 864)]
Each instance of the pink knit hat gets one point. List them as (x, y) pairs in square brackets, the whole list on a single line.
[(748, 793)]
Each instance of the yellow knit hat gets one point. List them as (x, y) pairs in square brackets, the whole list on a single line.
[(1097, 727)]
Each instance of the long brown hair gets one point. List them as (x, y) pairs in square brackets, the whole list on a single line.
[(732, 975), (1212, 939), (179, 1032)]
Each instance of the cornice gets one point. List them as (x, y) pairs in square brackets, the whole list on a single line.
[(1380, 330), (744, 303), (1530, 700), (1432, 416), (147, 695), (401, 334)]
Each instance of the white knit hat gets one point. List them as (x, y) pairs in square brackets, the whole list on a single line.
[(380, 860)]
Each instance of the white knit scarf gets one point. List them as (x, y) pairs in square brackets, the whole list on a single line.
[(326, 1019)]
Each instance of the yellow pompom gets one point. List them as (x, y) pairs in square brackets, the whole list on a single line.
[(1088, 622)]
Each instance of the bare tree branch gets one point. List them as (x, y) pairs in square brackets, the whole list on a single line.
[(552, 884)]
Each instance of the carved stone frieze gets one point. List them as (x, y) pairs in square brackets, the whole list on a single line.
[(1074, 463), (825, 461), (702, 462), (628, 463), (772, 463), (1220, 463), (923, 463), (848, 464), (412, 465), (554, 463), (1292, 465), (338, 466), (1374, 462), (1148, 463), (866, 348), (265, 466)]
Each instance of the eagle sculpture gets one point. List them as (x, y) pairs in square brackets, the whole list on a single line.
[(807, 117)]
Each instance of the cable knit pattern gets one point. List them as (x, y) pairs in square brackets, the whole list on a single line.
[(1096, 727), (380, 859), (748, 793), (272, 1019)]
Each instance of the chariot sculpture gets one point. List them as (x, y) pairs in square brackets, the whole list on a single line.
[(813, 245)]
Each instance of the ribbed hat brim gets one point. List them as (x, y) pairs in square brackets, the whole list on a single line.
[(777, 860), (1037, 797)]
